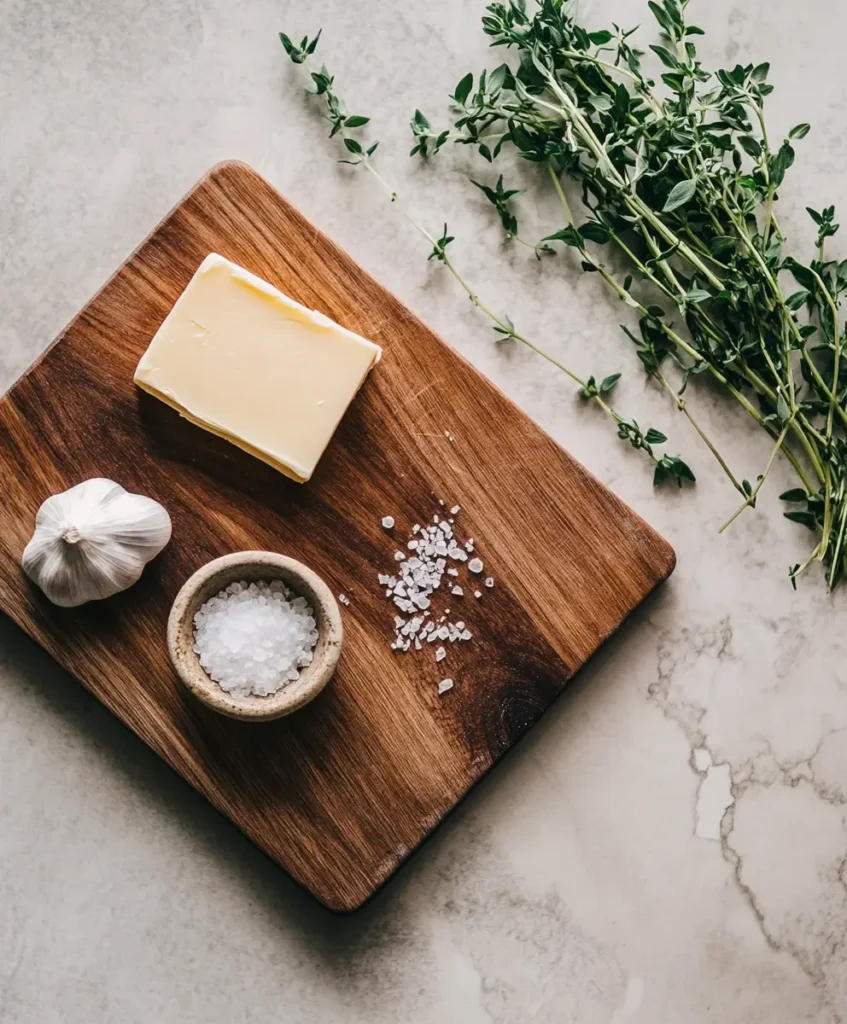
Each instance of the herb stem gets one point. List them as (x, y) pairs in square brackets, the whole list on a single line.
[(682, 405), (504, 326), (751, 498)]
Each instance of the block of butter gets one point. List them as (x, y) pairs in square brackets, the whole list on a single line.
[(241, 359)]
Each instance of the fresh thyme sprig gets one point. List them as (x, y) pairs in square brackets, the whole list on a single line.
[(684, 182), (666, 467)]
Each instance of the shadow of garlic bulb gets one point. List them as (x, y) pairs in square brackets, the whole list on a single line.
[(93, 541)]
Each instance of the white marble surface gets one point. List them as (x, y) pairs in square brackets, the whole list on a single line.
[(669, 844)]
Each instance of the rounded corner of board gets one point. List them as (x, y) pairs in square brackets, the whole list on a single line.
[(225, 168), (668, 563)]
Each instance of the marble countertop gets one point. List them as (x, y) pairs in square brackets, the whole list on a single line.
[(669, 844)]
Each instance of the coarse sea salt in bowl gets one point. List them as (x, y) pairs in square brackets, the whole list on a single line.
[(238, 633)]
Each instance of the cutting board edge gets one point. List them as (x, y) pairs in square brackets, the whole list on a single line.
[(118, 270), (328, 901)]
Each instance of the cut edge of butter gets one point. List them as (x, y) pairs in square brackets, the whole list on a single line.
[(290, 467), (239, 273), (299, 474)]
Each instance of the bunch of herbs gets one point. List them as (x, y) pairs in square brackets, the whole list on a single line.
[(678, 175)]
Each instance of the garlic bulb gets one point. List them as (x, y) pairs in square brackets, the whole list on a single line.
[(93, 541)]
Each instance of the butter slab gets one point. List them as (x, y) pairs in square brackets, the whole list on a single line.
[(244, 361)]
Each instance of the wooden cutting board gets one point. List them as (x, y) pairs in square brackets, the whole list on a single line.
[(340, 793)]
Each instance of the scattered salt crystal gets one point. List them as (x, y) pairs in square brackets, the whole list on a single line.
[(440, 654), (489, 581), (420, 573), (444, 686), (344, 599), (253, 639), (388, 522)]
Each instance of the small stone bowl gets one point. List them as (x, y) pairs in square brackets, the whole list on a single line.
[(252, 566)]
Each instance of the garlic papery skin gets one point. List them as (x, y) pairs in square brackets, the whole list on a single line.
[(93, 541)]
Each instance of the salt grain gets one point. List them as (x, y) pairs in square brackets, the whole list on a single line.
[(253, 639), (388, 522), (420, 572), (445, 685), (489, 581)]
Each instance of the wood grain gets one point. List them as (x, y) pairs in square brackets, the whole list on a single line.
[(343, 791)]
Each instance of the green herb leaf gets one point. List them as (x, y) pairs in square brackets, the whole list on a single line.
[(796, 300), (665, 56), (463, 89), (806, 519), (781, 163), (609, 382), (750, 146), (567, 235), (594, 231), (722, 245), (683, 192)]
